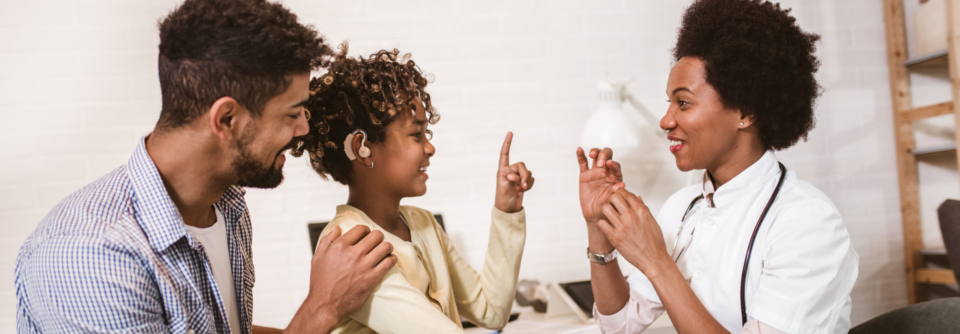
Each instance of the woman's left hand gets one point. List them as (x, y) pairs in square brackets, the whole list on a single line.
[(634, 232), (512, 180)]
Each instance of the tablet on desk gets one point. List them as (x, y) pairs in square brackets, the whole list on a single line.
[(582, 294)]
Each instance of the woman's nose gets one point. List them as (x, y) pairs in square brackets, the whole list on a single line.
[(668, 122)]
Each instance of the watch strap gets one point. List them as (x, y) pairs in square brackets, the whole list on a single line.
[(601, 258)]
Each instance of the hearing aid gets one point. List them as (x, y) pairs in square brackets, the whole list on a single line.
[(363, 151)]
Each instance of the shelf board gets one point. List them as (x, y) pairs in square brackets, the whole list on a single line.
[(934, 149), (935, 276), (933, 251), (938, 58), (933, 110)]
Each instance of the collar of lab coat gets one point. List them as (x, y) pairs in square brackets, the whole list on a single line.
[(754, 176)]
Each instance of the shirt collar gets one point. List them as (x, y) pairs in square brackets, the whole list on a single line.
[(156, 213), (708, 189), (761, 170)]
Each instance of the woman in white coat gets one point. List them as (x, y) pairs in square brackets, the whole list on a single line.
[(752, 248)]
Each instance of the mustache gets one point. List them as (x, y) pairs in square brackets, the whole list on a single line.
[(294, 143)]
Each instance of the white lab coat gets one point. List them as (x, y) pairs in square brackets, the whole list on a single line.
[(801, 272)]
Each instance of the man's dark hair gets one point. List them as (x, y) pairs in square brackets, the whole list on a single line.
[(244, 49), (759, 61)]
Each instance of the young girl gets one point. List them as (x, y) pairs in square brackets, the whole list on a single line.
[(369, 131)]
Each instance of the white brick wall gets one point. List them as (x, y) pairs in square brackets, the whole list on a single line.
[(79, 87)]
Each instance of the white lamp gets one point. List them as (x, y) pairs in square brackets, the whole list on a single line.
[(611, 126)]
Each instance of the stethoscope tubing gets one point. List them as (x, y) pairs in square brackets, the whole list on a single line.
[(753, 238)]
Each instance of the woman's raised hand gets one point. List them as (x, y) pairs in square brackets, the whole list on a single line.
[(597, 181), (512, 181)]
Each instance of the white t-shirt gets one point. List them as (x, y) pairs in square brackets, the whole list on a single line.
[(214, 241)]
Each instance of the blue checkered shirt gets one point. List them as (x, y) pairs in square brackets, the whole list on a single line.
[(115, 257)]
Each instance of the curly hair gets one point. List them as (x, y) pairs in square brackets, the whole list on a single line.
[(759, 61), (362, 93), (245, 49)]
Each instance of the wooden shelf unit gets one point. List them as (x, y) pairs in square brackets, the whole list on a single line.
[(904, 114)]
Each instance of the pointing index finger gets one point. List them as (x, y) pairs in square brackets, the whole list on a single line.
[(505, 150)]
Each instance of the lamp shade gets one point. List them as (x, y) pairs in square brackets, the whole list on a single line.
[(610, 126)]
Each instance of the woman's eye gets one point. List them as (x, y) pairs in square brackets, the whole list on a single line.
[(682, 103)]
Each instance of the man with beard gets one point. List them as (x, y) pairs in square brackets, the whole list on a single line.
[(163, 243)]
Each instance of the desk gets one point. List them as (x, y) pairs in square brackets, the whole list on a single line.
[(531, 322)]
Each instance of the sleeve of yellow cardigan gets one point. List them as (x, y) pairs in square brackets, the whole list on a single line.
[(395, 306), (486, 299)]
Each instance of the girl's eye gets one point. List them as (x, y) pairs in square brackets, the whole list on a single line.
[(417, 135)]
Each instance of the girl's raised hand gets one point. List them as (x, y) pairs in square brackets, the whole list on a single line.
[(512, 181)]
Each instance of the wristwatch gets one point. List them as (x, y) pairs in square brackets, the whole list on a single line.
[(601, 258)]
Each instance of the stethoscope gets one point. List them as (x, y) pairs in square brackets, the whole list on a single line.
[(746, 259)]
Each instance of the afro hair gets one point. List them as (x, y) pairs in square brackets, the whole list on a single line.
[(759, 61)]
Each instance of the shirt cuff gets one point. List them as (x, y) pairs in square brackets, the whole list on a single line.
[(613, 323), (634, 317), (516, 218)]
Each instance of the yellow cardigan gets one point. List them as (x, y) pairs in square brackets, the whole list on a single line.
[(431, 286)]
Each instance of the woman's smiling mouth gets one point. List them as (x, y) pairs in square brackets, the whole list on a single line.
[(676, 145)]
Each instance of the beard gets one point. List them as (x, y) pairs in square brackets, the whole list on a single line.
[(253, 173)]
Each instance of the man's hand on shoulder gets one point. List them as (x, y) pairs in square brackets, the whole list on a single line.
[(344, 270)]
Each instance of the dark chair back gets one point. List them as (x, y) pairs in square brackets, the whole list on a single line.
[(315, 228), (949, 214), (933, 317)]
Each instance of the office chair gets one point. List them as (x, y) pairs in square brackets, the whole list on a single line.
[(949, 215), (933, 317)]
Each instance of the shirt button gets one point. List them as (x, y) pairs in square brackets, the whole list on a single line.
[(709, 221), (698, 274)]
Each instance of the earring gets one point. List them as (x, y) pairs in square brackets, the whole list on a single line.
[(371, 164), (741, 124)]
